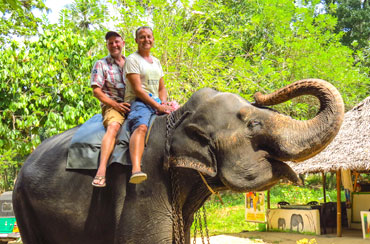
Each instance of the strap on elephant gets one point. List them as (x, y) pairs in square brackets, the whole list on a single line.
[(210, 188), (202, 211)]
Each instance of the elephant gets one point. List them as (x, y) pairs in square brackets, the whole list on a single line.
[(281, 223), (295, 221), (234, 144)]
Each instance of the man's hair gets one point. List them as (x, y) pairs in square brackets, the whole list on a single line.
[(112, 33), (140, 28)]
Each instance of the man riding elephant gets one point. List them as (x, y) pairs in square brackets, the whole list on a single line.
[(234, 144), (146, 92), (108, 83)]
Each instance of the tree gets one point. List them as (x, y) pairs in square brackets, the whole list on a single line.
[(85, 15), (249, 46), (353, 19), (17, 18), (230, 45), (44, 91)]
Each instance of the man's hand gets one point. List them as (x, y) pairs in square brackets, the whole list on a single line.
[(103, 98), (122, 107)]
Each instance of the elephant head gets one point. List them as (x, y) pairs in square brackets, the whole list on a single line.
[(245, 145)]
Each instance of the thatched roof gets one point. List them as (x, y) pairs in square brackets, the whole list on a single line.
[(350, 149)]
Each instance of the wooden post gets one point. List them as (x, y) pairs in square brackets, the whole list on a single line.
[(324, 185), (339, 206), (355, 183), (268, 209)]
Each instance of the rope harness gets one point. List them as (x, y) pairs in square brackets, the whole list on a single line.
[(210, 188), (178, 222)]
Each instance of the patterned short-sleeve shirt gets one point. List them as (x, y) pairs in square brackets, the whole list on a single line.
[(107, 75)]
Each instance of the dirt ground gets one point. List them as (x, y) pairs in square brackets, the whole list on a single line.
[(256, 237), (348, 237)]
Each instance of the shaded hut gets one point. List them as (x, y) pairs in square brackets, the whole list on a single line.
[(350, 150)]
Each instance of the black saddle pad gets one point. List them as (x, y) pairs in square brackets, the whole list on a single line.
[(84, 150)]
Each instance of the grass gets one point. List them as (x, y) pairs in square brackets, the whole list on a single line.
[(227, 218), (230, 217)]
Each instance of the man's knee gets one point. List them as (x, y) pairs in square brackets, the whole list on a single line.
[(113, 128)]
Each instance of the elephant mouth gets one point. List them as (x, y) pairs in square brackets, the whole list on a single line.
[(258, 177), (283, 171)]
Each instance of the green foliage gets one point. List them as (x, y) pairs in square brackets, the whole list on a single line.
[(353, 19), (44, 89), (247, 46), (17, 18), (315, 180), (227, 218), (300, 195), (84, 16), (9, 166)]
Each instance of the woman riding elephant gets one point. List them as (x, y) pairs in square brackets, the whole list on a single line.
[(236, 145)]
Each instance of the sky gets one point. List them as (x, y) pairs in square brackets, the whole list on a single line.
[(55, 6)]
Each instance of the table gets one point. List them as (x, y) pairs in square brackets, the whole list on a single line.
[(300, 220)]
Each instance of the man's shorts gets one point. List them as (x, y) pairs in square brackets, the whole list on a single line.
[(140, 114), (111, 115)]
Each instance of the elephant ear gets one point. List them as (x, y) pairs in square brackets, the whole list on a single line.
[(192, 147), (195, 131)]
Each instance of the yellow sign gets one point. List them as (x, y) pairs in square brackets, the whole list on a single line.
[(255, 210)]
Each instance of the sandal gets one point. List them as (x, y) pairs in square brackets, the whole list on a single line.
[(138, 177), (97, 182)]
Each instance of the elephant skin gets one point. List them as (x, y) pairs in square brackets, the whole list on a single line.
[(236, 145), (295, 221), (281, 223)]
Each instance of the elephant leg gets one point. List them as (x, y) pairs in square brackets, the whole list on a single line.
[(119, 174), (31, 234), (302, 225), (187, 236), (105, 209)]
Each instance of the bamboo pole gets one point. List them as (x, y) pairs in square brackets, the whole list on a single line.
[(324, 185), (268, 209), (339, 206), (355, 183)]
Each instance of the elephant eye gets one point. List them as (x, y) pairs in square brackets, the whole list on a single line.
[(254, 123)]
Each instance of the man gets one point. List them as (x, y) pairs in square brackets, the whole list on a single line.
[(146, 93), (108, 83)]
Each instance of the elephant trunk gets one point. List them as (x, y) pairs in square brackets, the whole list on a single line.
[(300, 140)]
